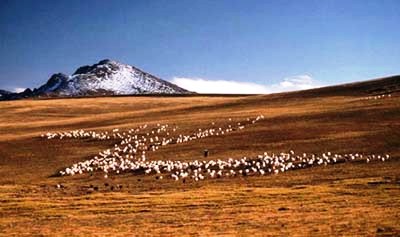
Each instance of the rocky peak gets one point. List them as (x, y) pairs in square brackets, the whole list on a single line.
[(107, 77)]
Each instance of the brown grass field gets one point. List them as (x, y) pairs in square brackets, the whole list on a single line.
[(347, 199)]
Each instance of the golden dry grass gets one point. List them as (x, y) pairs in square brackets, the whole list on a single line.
[(344, 199)]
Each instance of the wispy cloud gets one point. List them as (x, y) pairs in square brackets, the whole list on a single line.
[(200, 85), (299, 82)]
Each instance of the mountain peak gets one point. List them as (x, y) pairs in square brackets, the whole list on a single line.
[(57, 77), (112, 77), (55, 82), (107, 77), (89, 68), (106, 61)]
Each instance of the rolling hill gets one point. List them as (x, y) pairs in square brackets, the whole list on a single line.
[(350, 198)]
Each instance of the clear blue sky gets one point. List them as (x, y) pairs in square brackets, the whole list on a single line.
[(251, 41)]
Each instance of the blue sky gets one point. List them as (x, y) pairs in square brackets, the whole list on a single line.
[(256, 43)]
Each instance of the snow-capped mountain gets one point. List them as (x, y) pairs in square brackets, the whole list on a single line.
[(106, 77)]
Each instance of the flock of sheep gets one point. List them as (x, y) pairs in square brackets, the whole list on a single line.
[(375, 97), (129, 154)]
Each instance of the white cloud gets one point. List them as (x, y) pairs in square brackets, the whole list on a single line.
[(300, 82), (219, 86), (18, 90), (199, 85)]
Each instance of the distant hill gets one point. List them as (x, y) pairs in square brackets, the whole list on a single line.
[(369, 87), (4, 93), (106, 77), (378, 86)]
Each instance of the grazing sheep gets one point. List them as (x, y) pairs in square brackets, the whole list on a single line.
[(129, 154)]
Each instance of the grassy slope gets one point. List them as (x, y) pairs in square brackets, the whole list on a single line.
[(356, 198)]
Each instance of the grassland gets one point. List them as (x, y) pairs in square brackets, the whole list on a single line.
[(344, 199)]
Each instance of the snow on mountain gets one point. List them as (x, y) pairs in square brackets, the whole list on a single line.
[(106, 77), (109, 77)]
